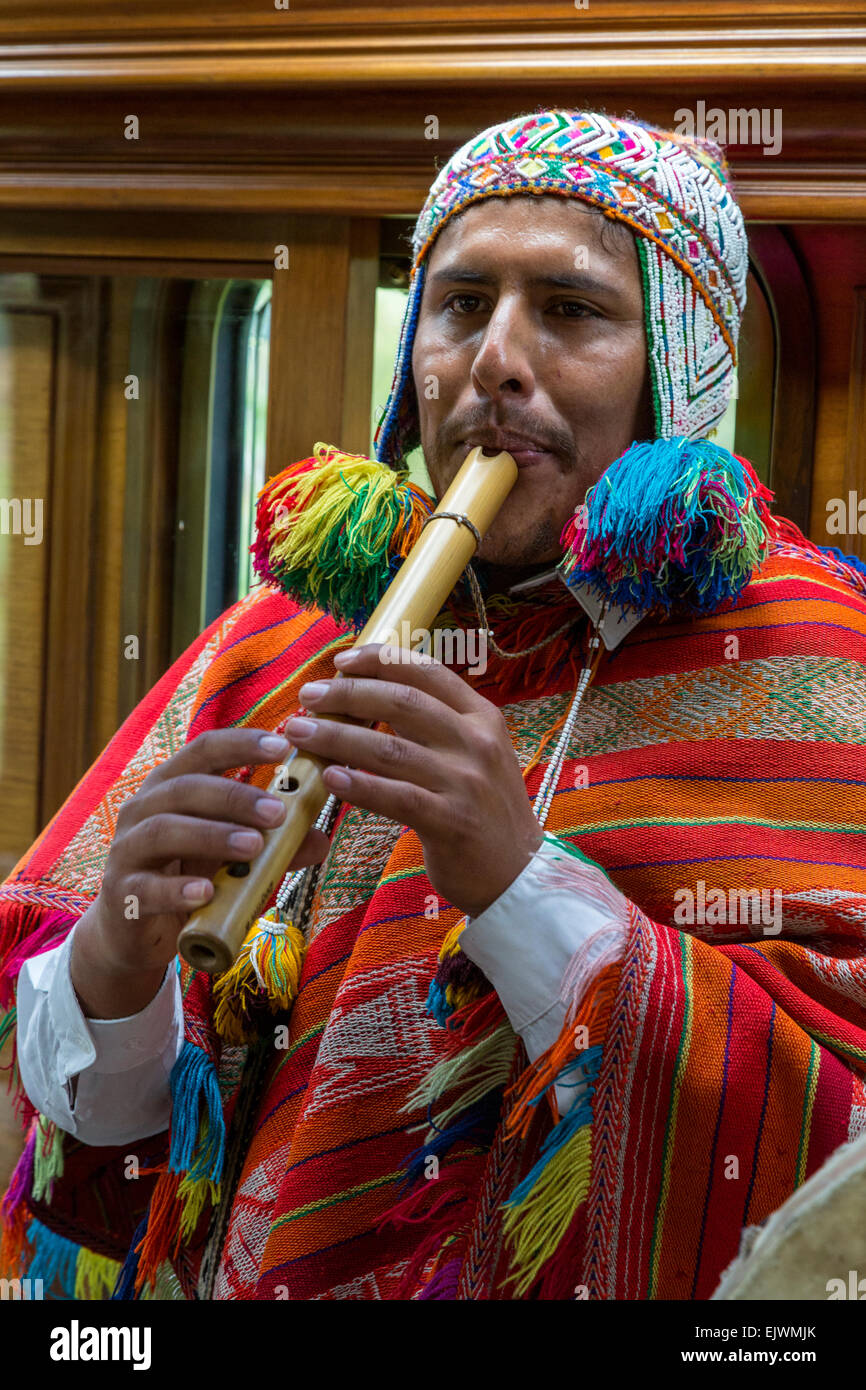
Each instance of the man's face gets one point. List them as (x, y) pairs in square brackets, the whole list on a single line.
[(531, 328)]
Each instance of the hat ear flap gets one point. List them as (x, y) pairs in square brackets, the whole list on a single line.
[(398, 431)]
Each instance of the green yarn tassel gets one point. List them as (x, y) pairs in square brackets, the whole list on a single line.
[(95, 1275), (333, 529)]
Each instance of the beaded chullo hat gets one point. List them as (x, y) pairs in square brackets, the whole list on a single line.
[(676, 520), (671, 191)]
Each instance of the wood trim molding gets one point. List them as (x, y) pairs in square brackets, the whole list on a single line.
[(110, 242), (103, 20), (323, 107), (805, 195), (657, 56)]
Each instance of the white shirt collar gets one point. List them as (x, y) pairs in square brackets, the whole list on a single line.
[(618, 621)]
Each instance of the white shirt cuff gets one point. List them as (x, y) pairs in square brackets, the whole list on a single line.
[(104, 1080), (529, 937)]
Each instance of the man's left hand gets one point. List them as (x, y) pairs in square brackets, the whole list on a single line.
[(448, 770)]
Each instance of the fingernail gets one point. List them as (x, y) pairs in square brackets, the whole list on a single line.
[(343, 658), (246, 840), (314, 691), (271, 810), (274, 744), (336, 778), (301, 728), (196, 891)]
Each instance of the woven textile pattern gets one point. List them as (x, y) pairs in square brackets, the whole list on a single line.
[(742, 772), (671, 192)]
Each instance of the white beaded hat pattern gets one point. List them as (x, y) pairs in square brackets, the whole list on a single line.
[(671, 190)]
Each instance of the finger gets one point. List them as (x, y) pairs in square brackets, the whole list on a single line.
[(155, 894), (207, 796), (410, 701), (408, 709), (218, 750), (164, 837), (383, 661), (312, 850), (423, 810), (374, 750)]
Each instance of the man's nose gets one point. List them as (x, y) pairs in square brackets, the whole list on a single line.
[(503, 362)]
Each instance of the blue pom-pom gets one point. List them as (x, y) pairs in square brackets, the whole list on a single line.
[(672, 522)]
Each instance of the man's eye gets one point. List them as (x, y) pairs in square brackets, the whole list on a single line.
[(574, 309), (473, 301)]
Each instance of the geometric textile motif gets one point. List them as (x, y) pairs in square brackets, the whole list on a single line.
[(360, 849), (792, 699), (378, 1021)]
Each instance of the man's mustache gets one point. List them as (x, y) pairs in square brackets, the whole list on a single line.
[(555, 441)]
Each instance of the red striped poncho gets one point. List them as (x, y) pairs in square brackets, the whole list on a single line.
[(724, 752)]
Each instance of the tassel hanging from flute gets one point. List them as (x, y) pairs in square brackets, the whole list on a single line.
[(332, 531), (263, 979)]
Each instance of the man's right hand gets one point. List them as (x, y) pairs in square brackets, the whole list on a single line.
[(171, 837)]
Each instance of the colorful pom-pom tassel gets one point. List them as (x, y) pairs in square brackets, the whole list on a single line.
[(333, 529), (675, 522), (263, 979)]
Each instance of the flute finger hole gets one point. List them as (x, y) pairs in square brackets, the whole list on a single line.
[(284, 781)]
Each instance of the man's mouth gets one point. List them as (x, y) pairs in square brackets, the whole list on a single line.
[(525, 450)]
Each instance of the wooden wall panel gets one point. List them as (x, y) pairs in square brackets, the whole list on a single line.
[(69, 675), (795, 370), (834, 259), (26, 399), (359, 334), (321, 339), (323, 107), (49, 433)]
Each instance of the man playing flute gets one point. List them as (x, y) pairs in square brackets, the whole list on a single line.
[(572, 987)]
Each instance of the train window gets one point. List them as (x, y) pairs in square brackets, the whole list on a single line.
[(133, 410), (221, 448)]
